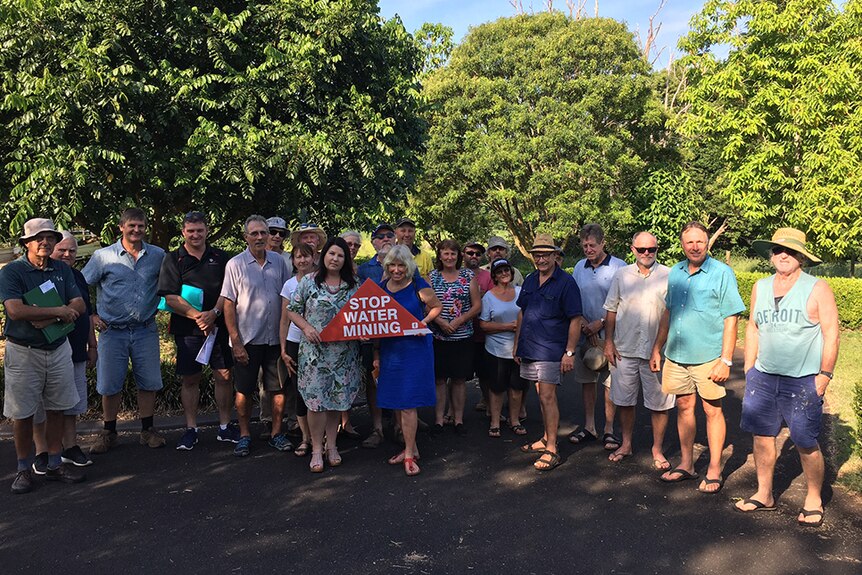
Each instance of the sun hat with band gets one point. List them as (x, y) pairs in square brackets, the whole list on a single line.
[(789, 238), (36, 226), (593, 356), (544, 243), (307, 227)]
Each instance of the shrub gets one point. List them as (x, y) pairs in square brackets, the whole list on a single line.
[(857, 410)]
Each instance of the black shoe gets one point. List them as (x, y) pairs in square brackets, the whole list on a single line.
[(23, 482), (66, 474), (460, 430), (75, 456), (40, 464)]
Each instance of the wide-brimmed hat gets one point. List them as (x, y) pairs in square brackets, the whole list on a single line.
[(594, 356), (789, 238), (307, 227), (36, 226), (544, 243)]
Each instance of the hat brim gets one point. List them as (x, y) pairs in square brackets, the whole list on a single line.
[(57, 235), (764, 249), (295, 235), (543, 248)]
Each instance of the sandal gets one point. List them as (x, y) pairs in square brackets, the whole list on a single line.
[(528, 447), (316, 465), (544, 464), (581, 436), (399, 458), (333, 457), (518, 429), (302, 449), (494, 432), (611, 441), (410, 467)]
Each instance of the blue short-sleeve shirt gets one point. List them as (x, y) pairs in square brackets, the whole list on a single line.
[(698, 305), (547, 311)]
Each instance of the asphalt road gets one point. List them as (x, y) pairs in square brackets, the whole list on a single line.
[(477, 507)]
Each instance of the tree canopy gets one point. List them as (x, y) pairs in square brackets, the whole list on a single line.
[(230, 107)]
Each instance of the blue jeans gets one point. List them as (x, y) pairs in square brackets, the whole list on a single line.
[(117, 345)]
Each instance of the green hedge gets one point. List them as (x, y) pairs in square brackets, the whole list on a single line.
[(848, 296)]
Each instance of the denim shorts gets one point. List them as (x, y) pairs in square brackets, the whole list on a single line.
[(769, 399), (117, 346)]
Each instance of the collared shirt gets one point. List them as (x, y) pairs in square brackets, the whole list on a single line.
[(594, 283), (256, 291), (20, 276), (126, 288), (638, 301), (423, 261), (182, 268), (547, 311), (288, 259), (698, 305)]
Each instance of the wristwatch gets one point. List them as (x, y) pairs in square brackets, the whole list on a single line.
[(217, 312), (570, 353), (727, 362), (828, 374)]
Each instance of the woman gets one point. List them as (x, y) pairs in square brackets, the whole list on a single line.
[(499, 319), (329, 373), (353, 239), (406, 363), (457, 290), (302, 257)]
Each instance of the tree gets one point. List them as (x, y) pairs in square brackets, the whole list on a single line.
[(544, 121), (783, 108), (230, 107)]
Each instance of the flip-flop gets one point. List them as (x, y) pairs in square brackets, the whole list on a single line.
[(683, 475), (810, 513), (708, 481), (616, 457), (758, 506), (581, 436), (528, 447), (661, 465), (494, 432), (609, 439), (544, 465)]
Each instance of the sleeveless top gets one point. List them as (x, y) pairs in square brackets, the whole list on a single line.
[(455, 297), (789, 342)]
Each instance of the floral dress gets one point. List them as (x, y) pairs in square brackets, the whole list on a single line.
[(329, 373), (455, 297)]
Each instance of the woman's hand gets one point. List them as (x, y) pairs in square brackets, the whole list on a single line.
[(311, 334)]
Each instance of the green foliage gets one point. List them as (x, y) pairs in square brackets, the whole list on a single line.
[(668, 200), (230, 107), (435, 41), (538, 123), (783, 109)]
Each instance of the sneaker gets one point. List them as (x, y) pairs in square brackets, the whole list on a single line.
[(76, 457), (23, 483), (374, 440), (266, 430), (40, 464), (188, 440), (104, 441), (281, 442), (66, 474), (229, 433), (152, 438), (242, 446)]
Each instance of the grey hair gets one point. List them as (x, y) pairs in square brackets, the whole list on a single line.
[(67, 235), (253, 218), (352, 233), (639, 234), (399, 253)]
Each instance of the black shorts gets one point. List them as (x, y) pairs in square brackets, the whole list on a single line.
[(453, 359), (505, 374), (289, 382), (188, 347), (482, 368), (259, 357)]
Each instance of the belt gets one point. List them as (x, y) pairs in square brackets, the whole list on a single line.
[(132, 324), (22, 343)]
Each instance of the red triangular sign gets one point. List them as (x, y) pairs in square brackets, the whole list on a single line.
[(372, 313)]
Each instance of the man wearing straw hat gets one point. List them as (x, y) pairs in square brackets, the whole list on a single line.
[(791, 345), (549, 325)]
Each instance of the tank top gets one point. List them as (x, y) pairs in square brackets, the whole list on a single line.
[(789, 342)]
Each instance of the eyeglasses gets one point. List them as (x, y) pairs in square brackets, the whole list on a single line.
[(645, 250), (382, 235), (783, 250), (543, 256), (353, 244), (277, 232), (472, 253)]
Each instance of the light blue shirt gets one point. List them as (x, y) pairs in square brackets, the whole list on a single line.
[(256, 291), (698, 305), (495, 310), (126, 289), (594, 283)]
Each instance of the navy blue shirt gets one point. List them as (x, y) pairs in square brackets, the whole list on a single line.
[(547, 311), (80, 336)]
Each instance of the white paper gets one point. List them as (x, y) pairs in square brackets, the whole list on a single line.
[(206, 351), (47, 286)]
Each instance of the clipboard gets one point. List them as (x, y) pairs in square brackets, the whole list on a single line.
[(46, 295), (193, 295)]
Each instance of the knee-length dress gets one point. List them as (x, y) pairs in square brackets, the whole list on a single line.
[(407, 363), (330, 373)]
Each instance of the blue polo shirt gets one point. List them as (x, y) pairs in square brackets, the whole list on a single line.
[(547, 311), (698, 305), (126, 289)]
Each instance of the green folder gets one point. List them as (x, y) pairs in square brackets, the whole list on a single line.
[(193, 295), (40, 297)]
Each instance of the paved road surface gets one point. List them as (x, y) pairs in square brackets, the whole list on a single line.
[(477, 507)]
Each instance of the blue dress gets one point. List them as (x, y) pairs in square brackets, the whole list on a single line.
[(407, 363)]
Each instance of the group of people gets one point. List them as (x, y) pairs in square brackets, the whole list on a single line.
[(256, 320)]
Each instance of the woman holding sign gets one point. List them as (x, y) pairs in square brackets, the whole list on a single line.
[(407, 362), (329, 372)]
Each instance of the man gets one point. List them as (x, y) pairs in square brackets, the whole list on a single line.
[(126, 276), (277, 235), (252, 312), (405, 234), (699, 326), (635, 304), (791, 346), (309, 234), (197, 264), (39, 372), (593, 275), (546, 336), (473, 252), (499, 249)]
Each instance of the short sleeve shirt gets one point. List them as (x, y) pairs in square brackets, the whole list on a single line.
[(294, 334), (256, 292), (182, 268), (547, 311), (594, 283), (495, 310), (698, 305), (19, 277), (638, 301), (126, 288)]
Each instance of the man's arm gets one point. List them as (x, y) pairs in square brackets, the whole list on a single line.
[(567, 363), (721, 371), (610, 347), (518, 323), (660, 340), (239, 352), (17, 310), (752, 336), (827, 313)]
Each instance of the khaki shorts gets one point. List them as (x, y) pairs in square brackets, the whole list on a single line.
[(582, 374), (686, 379), (36, 378)]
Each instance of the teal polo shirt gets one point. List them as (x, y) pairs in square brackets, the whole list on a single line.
[(698, 305)]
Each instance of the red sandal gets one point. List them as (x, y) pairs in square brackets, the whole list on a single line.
[(410, 467)]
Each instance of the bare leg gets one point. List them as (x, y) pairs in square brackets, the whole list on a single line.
[(610, 411), (223, 394), (813, 467), (589, 395), (376, 412), (317, 428), (495, 406), (70, 431), (277, 399), (515, 398), (716, 430), (302, 421), (408, 426), (659, 427), (146, 403), (22, 430), (685, 424), (550, 413), (54, 431), (765, 455), (333, 418), (243, 414), (39, 437), (111, 406), (440, 408), (459, 398), (190, 394), (627, 423)]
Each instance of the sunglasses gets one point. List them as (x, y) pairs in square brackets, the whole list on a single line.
[(472, 253), (543, 256), (783, 250), (381, 235), (308, 225), (277, 232), (646, 250)]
